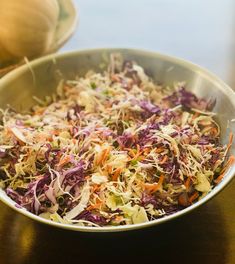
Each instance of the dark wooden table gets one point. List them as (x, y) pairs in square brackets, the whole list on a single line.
[(197, 30)]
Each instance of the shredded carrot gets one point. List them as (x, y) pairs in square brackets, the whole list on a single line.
[(103, 156), (96, 205), (146, 151), (45, 137), (183, 199), (119, 218), (187, 183), (132, 153), (230, 161), (64, 160), (214, 131), (154, 186), (230, 141), (116, 174), (96, 187), (186, 140), (219, 178), (159, 150), (108, 168), (66, 87), (165, 158), (55, 132), (40, 111), (72, 122), (195, 115), (193, 197), (138, 152), (115, 78)]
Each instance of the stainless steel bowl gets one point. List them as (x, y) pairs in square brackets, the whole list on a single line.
[(41, 77)]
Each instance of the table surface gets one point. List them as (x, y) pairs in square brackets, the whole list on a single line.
[(197, 30)]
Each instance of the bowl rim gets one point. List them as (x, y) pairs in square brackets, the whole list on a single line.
[(62, 36), (194, 67)]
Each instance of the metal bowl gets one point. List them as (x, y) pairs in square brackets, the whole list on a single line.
[(41, 77)]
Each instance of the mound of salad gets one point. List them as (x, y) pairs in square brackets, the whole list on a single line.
[(111, 148)]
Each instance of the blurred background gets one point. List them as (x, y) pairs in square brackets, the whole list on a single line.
[(201, 31), (197, 30)]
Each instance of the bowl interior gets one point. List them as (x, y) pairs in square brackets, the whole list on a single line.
[(41, 77)]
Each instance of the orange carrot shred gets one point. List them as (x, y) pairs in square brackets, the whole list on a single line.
[(94, 206), (165, 158), (230, 161), (193, 197), (159, 150), (214, 130), (116, 174), (64, 160), (187, 183), (103, 156), (132, 153), (230, 141), (96, 187), (153, 187), (195, 115), (146, 151), (108, 168), (98, 203)]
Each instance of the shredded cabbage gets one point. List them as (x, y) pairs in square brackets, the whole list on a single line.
[(111, 148)]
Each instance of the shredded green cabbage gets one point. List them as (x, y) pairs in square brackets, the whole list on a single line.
[(111, 148)]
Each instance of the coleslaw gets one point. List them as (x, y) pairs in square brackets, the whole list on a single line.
[(112, 148)]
